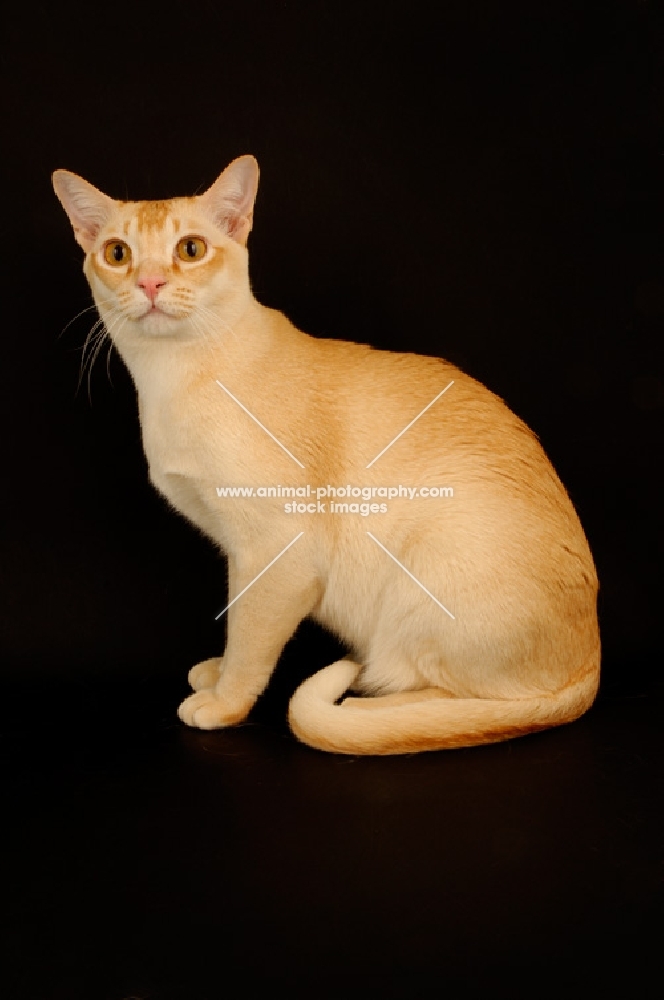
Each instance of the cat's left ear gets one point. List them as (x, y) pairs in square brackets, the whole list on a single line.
[(88, 209), (230, 200)]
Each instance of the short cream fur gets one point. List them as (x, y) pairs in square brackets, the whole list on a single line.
[(507, 554)]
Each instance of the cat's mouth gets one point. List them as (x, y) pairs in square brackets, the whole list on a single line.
[(156, 310)]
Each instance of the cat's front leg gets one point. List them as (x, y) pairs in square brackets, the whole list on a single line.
[(260, 624)]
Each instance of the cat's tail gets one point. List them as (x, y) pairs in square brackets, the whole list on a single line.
[(425, 720)]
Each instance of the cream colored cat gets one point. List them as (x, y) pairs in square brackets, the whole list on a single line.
[(472, 617)]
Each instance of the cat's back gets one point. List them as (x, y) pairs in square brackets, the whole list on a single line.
[(414, 420), (381, 393)]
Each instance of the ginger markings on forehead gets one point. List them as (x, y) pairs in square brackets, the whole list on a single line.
[(151, 217), (152, 214)]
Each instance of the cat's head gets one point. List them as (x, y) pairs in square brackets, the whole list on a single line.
[(165, 267)]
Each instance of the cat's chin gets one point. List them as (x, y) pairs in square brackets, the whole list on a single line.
[(157, 323)]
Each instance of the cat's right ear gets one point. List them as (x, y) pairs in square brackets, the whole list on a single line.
[(230, 200), (88, 209)]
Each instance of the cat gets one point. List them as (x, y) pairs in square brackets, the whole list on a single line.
[(471, 616)]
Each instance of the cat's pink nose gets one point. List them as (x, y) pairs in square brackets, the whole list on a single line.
[(151, 284)]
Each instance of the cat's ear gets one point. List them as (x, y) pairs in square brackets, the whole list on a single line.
[(230, 200), (88, 209)]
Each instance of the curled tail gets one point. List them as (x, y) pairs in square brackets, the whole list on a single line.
[(425, 720)]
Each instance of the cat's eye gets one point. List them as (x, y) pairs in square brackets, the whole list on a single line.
[(191, 248), (117, 253)]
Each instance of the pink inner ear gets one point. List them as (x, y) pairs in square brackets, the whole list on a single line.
[(86, 207), (234, 223), (88, 233), (238, 228), (230, 200), (86, 236)]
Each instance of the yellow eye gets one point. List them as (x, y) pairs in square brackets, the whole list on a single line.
[(117, 253), (191, 248)]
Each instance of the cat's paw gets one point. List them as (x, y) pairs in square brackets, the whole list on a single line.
[(206, 710), (205, 674)]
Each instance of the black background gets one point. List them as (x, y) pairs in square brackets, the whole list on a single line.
[(483, 182)]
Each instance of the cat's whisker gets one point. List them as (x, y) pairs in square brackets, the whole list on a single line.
[(96, 347), (103, 332), (198, 321), (95, 305), (111, 345), (216, 320), (200, 329), (116, 323), (99, 322), (88, 345), (108, 362), (74, 318)]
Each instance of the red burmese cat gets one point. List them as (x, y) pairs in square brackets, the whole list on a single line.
[(471, 614)]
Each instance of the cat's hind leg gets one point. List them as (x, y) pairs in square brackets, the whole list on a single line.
[(390, 668)]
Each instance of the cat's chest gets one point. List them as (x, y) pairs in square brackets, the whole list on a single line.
[(169, 441)]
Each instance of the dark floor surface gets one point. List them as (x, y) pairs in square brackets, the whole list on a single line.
[(148, 860)]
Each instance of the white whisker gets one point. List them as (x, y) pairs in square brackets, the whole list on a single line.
[(94, 342), (81, 313), (213, 318), (108, 362), (88, 345)]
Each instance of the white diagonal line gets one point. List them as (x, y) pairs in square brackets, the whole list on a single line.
[(216, 617), (262, 426), (410, 574), (407, 426)]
